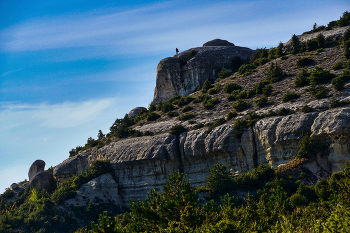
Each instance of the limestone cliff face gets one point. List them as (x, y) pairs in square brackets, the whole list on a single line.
[(183, 73), (140, 164)]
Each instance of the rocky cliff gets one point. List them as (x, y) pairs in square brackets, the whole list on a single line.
[(140, 164), (184, 72)]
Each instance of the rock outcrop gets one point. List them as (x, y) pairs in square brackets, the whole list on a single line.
[(35, 168), (140, 164), (133, 113), (102, 189), (42, 180), (184, 72)]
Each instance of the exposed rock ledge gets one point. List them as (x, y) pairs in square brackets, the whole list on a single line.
[(140, 164), (184, 72)]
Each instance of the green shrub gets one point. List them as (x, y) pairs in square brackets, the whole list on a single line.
[(224, 73), (318, 75), (302, 79), (203, 97), (207, 85), (187, 108), (241, 105), (295, 48), (219, 179), (259, 87), (310, 146), (198, 126), (274, 73), (303, 61), (318, 91), (239, 127), (231, 115), (177, 129), (210, 103), (218, 122), (338, 83), (284, 112), (298, 200), (289, 96), (258, 55), (7, 194), (347, 49), (172, 114), (261, 102), (228, 88), (153, 116), (231, 97), (321, 40), (183, 101), (306, 109), (152, 107), (246, 69), (311, 45), (337, 66), (214, 90), (255, 178), (186, 116), (267, 90)]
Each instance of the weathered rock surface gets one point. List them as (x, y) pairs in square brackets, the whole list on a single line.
[(35, 168), (133, 113), (74, 165), (336, 125), (140, 164), (183, 73), (102, 189), (42, 180)]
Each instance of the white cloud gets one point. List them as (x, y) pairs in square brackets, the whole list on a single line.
[(147, 30)]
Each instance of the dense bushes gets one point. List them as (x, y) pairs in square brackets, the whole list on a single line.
[(302, 78), (274, 73), (228, 88), (318, 75), (186, 116), (177, 129), (303, 61), (289, 96), (219, 179), (310, 146), (241, 105), (261, 102)]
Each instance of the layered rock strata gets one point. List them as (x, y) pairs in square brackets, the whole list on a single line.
[(140, 164)]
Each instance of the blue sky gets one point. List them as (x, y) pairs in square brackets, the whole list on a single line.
[(70, 68)]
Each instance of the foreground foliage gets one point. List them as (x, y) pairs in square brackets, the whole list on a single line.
[(279, 205)]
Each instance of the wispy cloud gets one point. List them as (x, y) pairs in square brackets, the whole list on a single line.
[(147, 29)]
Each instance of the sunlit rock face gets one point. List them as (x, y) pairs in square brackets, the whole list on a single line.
[(142, 163), (184, 72)]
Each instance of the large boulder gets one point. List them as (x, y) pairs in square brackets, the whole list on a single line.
[(37, 166), (133, 113), (42, 180), (184, 72)]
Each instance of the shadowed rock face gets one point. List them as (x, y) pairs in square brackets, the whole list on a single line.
[(42, 180), (183, 73), (36, 167)]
